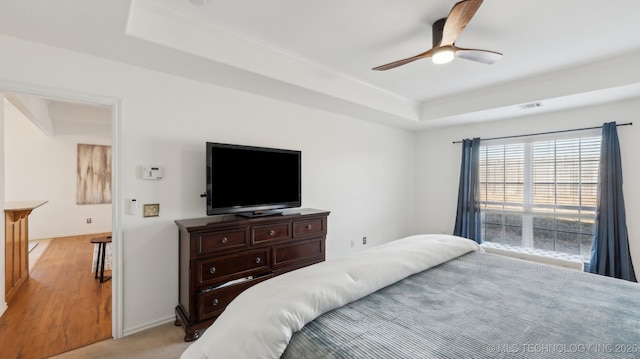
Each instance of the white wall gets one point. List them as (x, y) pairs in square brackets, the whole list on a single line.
[(362, 172), (3, 304), (41, 167), (438, 161)]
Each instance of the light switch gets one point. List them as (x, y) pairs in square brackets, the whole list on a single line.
[(132, 207)]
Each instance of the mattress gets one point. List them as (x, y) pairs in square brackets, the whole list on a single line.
[(482, 306), (428, 296)]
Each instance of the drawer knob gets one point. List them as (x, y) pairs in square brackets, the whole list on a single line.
[(258, 260), (214, 302), (224, 240), (308, 226), (272, 232), (212, 270)]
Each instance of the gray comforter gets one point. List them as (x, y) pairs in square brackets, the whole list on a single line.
[(482, 306)]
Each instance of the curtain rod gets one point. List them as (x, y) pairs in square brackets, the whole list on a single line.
[(548, 133)]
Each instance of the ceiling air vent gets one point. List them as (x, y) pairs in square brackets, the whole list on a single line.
[(527, 106)]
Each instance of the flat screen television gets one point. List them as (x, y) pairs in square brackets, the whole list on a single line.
[(252, 181)]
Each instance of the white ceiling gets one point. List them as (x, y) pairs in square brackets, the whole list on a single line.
[(562, 54), (55, 117)]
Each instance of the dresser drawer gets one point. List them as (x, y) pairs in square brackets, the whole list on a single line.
[(270, 232), (211, 242), (301, 251), (212, 303), (308, 227), (231, 267)]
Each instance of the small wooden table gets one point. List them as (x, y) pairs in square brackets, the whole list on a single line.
[(102, 249)]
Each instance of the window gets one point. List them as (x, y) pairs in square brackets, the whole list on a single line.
[(540, 193)]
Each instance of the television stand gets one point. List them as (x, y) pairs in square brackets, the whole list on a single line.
[(254, 214)]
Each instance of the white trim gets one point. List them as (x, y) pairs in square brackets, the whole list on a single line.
[(554, 258), (117, 294), (37, 90), (527, 217), (149, 325)]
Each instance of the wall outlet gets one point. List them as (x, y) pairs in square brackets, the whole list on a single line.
[(364, 240), (88, 220)]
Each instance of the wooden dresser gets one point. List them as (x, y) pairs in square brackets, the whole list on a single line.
[(221, 256)]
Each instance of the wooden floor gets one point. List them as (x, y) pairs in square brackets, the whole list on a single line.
[(61, 306)]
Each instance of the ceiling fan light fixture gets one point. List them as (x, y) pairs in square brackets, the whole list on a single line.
[(444, 34), (443, 55)]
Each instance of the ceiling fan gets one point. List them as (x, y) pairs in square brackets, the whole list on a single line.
[(444, 34)]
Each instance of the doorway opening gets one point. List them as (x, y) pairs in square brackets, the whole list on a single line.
[(63, 119)]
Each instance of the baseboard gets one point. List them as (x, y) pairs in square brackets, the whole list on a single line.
[(73, 234), (3, 308), (149, 325)]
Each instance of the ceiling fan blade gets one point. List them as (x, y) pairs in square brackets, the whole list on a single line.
[(444, 34), (458, 18), (395, 64), (483, 56)]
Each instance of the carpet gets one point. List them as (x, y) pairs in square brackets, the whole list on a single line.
[(165, 341)]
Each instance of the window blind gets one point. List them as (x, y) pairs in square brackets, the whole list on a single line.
[(540, 194)]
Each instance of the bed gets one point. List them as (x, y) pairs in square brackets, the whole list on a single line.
[(428, 296)]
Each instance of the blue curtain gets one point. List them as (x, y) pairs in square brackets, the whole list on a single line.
[(610, 251), (468, 223)]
